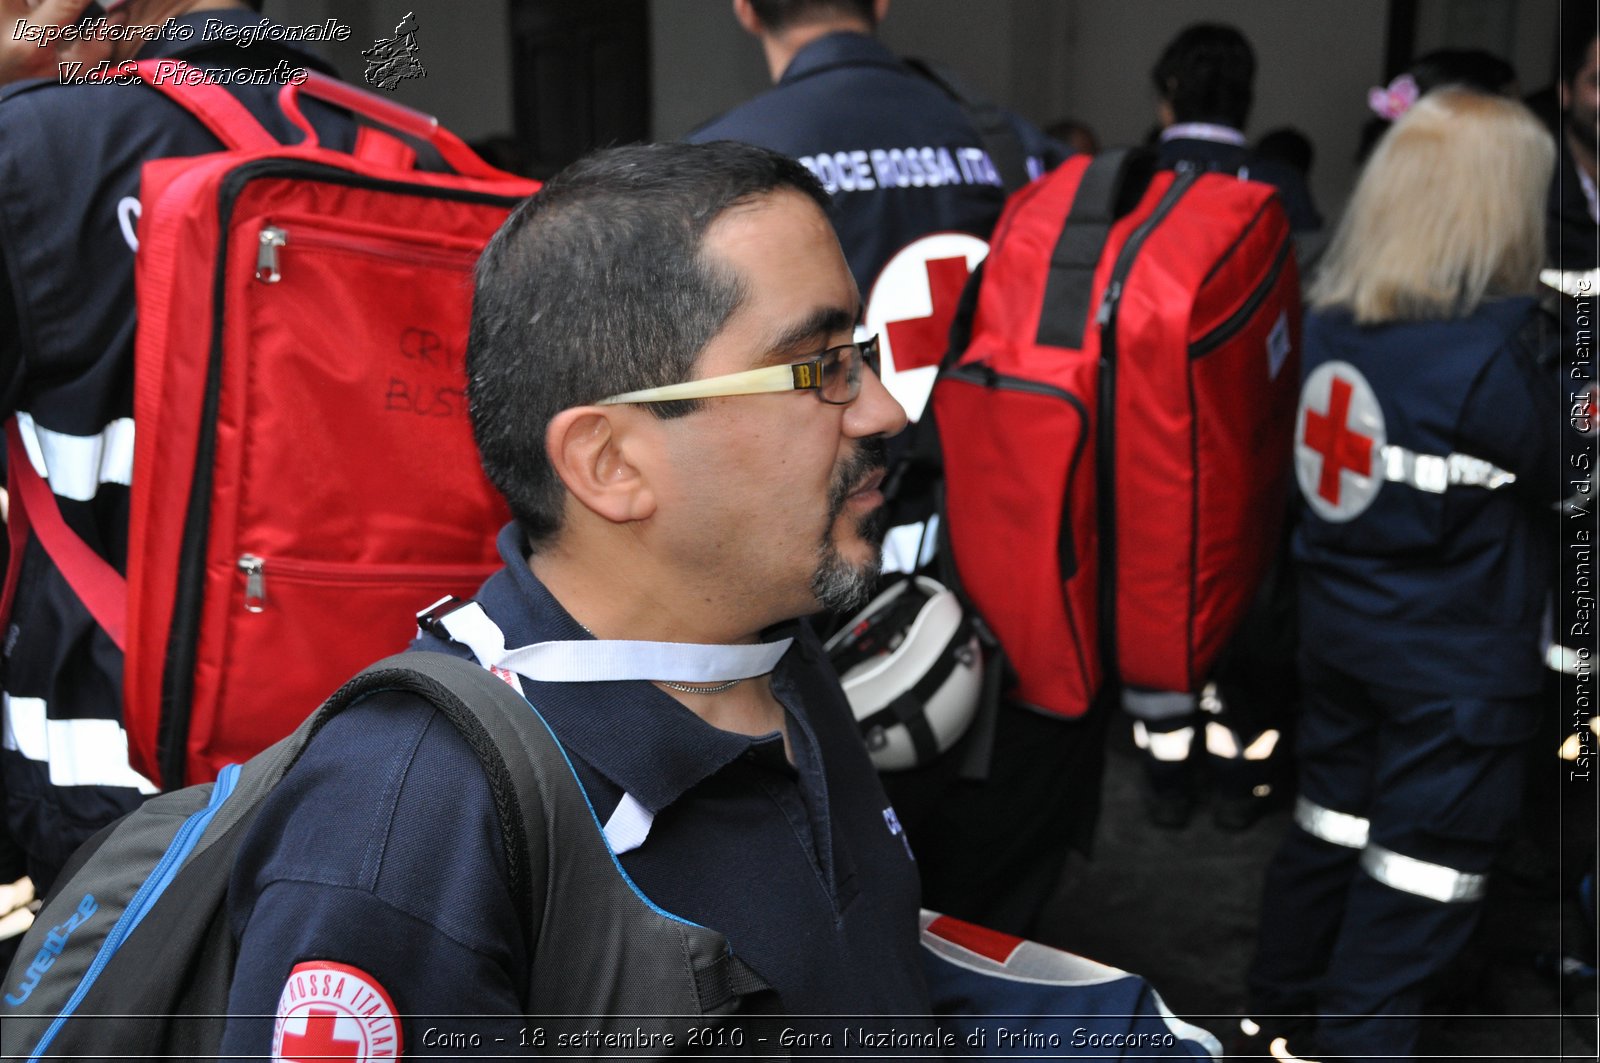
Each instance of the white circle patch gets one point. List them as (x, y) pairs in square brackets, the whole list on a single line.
[(911, 306), (334, 1011), (1338, 442), (128, 211)]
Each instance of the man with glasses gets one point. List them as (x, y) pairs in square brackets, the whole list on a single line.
[(663, 384)]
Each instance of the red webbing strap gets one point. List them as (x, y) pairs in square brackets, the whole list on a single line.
[(212, 105), (451, 148), (16, 535), (374, 145), (100, 587)]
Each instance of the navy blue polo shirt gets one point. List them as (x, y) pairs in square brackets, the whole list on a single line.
[(899, 157), (381, 848)]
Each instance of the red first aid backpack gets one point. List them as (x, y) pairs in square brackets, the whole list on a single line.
[(1116, 420), (304, 477)]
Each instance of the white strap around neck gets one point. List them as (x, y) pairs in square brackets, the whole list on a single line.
[(1217, 134), (606, 660)]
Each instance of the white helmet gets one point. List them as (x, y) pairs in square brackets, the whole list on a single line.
[(912, 668)]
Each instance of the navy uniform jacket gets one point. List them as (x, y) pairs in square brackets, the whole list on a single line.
[(1233, 158), (70, 157), (381, 848), (1442, 592), (898, 156)]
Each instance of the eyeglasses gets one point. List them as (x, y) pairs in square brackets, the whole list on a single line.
[(835, 375)]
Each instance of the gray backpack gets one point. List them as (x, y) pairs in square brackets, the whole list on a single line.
[(148, 894)]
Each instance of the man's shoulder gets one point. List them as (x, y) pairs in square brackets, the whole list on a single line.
[(381, 740), (830, 101), (117, 121), (786, 114), (35, 107), (360, 807)]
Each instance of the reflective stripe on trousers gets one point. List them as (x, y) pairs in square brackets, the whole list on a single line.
[(1410, 875), (1336, 828), (1436, 882)]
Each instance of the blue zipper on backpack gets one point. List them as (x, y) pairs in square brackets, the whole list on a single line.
[(160, 877)]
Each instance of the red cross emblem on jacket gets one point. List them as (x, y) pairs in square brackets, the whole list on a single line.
[(911, 305), (1338, 441)]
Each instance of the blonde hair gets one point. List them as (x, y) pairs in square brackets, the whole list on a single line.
[(1448, 211)]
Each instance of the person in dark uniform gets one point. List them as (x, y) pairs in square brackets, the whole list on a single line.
[(1205, 84), (1428, 454), (731, 784), (899, 156), (70, 157), (902, 159)]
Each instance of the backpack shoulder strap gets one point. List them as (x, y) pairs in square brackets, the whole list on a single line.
[(211, 105), (994, 126), (182, 845), (496, 722), (613, 951)]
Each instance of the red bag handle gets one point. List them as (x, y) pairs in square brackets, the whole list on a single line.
[(232, 123), (396, 116)]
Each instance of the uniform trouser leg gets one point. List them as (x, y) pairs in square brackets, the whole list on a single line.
[(1447, 793), (1302, 906), (1306, 885)]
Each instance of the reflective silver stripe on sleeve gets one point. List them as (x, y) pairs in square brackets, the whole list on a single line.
[(1576, 283), (1563, 659), (1410, 875), (1434, 474), (77, 752), (1336, 828), (76, 466)]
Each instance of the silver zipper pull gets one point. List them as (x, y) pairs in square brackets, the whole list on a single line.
[(255, 584), (271, 238), (1108, 303)]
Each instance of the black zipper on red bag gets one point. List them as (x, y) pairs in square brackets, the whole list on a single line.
[(177, 676), (1237, 320), (1105, 434), (982, 375)]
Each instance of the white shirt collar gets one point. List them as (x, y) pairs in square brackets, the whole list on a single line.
[(1219, 134)]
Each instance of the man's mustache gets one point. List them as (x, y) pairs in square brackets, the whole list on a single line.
[(871, 456)]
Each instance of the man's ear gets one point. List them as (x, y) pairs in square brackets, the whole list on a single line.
[(746, 16), (592, 449)]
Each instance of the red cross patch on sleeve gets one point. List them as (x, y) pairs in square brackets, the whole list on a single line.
[(332, 1011), (1338, 440)]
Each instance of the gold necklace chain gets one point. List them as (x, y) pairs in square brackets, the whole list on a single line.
[(687, 688)]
